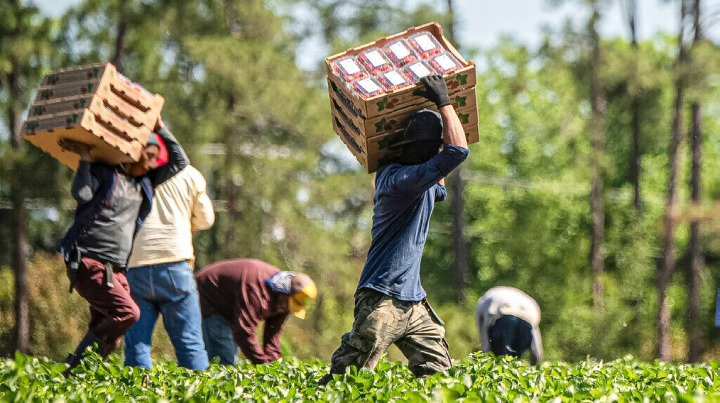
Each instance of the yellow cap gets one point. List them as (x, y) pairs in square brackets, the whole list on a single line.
[(296, 302)]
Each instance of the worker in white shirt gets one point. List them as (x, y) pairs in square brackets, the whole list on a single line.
[(161, 274), (508, 320)]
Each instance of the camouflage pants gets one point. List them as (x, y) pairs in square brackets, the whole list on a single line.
[(380, 321)]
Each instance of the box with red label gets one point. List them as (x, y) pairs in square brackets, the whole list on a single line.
[(462, 101), (379, 149), (402, 56), (96, 105)]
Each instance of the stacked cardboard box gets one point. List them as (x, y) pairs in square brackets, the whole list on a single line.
[(370, 126), (95, 105)]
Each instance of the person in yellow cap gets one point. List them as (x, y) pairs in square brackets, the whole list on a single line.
[(236, 295)]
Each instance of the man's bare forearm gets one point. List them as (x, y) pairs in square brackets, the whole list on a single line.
[(453, 132)]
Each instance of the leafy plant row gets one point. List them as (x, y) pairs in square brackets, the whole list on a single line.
[(477, 378)]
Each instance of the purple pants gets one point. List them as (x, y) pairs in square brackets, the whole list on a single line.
[(112, 310)]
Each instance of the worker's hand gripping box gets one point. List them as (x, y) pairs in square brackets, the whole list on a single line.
[(371, 87), (95, 105)]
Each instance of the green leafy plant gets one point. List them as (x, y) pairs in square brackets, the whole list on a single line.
[(479, 377)]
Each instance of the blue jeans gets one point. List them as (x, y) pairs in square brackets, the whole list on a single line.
[(168, 289), (219, 341)]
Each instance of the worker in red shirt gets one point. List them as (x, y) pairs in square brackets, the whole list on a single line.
[(236, 295)]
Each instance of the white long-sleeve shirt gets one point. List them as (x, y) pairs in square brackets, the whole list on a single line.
[(181, 205), (500, 301)]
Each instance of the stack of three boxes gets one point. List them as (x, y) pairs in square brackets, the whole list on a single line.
[(369, 112), (95, 105)]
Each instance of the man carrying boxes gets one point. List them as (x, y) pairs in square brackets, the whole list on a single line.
[(97, 121), (113, 201), (390, 303)]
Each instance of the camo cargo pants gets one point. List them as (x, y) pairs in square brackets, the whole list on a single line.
[(380, 321)]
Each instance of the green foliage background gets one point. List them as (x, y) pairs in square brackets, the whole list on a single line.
[(258, 127)]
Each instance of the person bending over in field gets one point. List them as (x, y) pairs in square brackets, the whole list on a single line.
[(113, 201), (236, 295), (508, 320), (390, 303)]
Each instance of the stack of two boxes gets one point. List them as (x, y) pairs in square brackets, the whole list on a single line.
[(371, 90), (95, 105)]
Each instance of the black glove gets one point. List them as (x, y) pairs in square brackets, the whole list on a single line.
[(435, 90)]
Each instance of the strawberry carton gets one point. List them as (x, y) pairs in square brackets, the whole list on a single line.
[(378, 106), (348, 69), (418, 70), (398, 97), (400, 53), (425, 45), (375, 61), (368, 87), (394, 79), (444, 63)]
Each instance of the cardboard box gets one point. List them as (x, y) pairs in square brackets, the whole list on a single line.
[(45, 132), (368, 126), (391, 122), (110, 100), (467, 115), (456, 81), (377, 151), (95, 105), (99, 79)]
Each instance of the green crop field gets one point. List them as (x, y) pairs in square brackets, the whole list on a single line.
[(475, 378)]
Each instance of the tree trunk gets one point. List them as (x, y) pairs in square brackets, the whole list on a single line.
[(229, 173), (697, 261), (117, 58), (666, 272), (22, 298), (450, 29), (597, 140), (22, 319), (635, 124), (461, 252), (456, 183)]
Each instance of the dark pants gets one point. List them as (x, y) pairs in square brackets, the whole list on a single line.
[(112, 309), (510, 335)]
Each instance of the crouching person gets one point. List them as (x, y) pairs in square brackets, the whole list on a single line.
[(113, 201), (236, 295), (508, 320)]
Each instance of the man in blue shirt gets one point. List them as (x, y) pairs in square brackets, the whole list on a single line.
[(390, 304)]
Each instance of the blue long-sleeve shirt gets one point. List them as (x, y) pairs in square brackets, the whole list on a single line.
[(404, 199)]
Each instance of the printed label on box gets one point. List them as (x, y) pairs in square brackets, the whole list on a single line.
[(399, 50), (420, 70), (395, 78), (350, 66), (445, 62), (368, 85), (425, 42), (375, 58)]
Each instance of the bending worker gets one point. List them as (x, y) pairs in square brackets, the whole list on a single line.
[(508, 320), (236, 295), (390, 303)]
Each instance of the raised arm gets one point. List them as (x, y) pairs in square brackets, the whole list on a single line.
[(84, 183), (177, 159)]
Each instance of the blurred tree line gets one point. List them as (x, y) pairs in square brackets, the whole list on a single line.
[(585, 190)]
